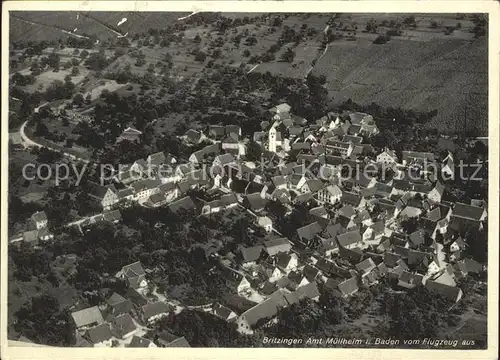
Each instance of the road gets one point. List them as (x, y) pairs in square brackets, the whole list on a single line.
[(27, 142)]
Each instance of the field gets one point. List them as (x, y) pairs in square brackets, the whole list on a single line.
[(413, 75), (47, 25), (422, 69)]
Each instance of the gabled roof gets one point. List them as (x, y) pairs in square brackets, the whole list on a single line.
[(99, 334), (347, 211), (468, 211), (450, 292), (255, 201), (124, 324), (221, 311), (349, 286), (391, 259), (134, 269), (139, 342), (251, 254), (283, 259), (39, 216), (186, 203), (155, 308), (351, 198), (366, 265), (87, 316), (417, 237), (310, 272), (276, 246), (157, 159), (266, 309), (309, 231), (332, 230), (115, 299), (349, 238), (412, 155)]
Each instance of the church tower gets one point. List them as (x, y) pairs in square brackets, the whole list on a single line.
[(272, 139)]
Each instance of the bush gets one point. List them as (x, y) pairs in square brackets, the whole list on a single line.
[(381, 39)]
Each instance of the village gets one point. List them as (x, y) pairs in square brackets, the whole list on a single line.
[(360, 209)]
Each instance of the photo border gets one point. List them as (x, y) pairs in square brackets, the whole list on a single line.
[(9, 351)]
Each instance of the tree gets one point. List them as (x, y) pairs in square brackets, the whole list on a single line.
[(75, 71), (78, 100), (254, 151), (42, 321), (288, 55)]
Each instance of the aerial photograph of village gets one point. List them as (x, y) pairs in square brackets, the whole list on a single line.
[(216, 179)]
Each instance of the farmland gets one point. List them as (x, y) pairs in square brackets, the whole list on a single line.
[(434, 62)]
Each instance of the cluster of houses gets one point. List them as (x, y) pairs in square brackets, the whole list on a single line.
[(355, 232), (37, 229), (124, 319)]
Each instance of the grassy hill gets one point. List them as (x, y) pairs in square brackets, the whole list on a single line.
[(433, 63), (437, 74)]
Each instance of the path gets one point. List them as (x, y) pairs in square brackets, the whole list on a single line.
[(27, 142)]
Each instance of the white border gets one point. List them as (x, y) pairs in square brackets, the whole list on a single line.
[(491, 7)]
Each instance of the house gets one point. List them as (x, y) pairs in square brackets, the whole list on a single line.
[(87, 317), (154, 311), (453, 293), (251, 255), (366, 266), (436, 193), (157, 200), (387, 157), (265, 223), (348, 287), (330, 194), (124, 326), (166, 339), (237, 281), (223, 312), (308, 232), (140, 342), (44, 234), (119, 305), (275, 246), (261, 312), (143, 189), (409, 157), (255, 202), (409, 280), (350, 198), (271, 274), (129, 134), (193, 136), (134, 274), (99, 336), (225, 202), (458, 245), (184, 204), (287, 262), (345, 149), (39, 219), (169, 190), (468, 212), (448, 167), (319, 211), (417, 238), (349, 239), (296, 280), (468, 266), (107, 196)]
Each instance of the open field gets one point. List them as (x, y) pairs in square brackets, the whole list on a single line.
[(413, 75), (423, 69), (47, 25)]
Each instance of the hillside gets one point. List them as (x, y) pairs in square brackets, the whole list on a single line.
[(431, 61), (424, 76)]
